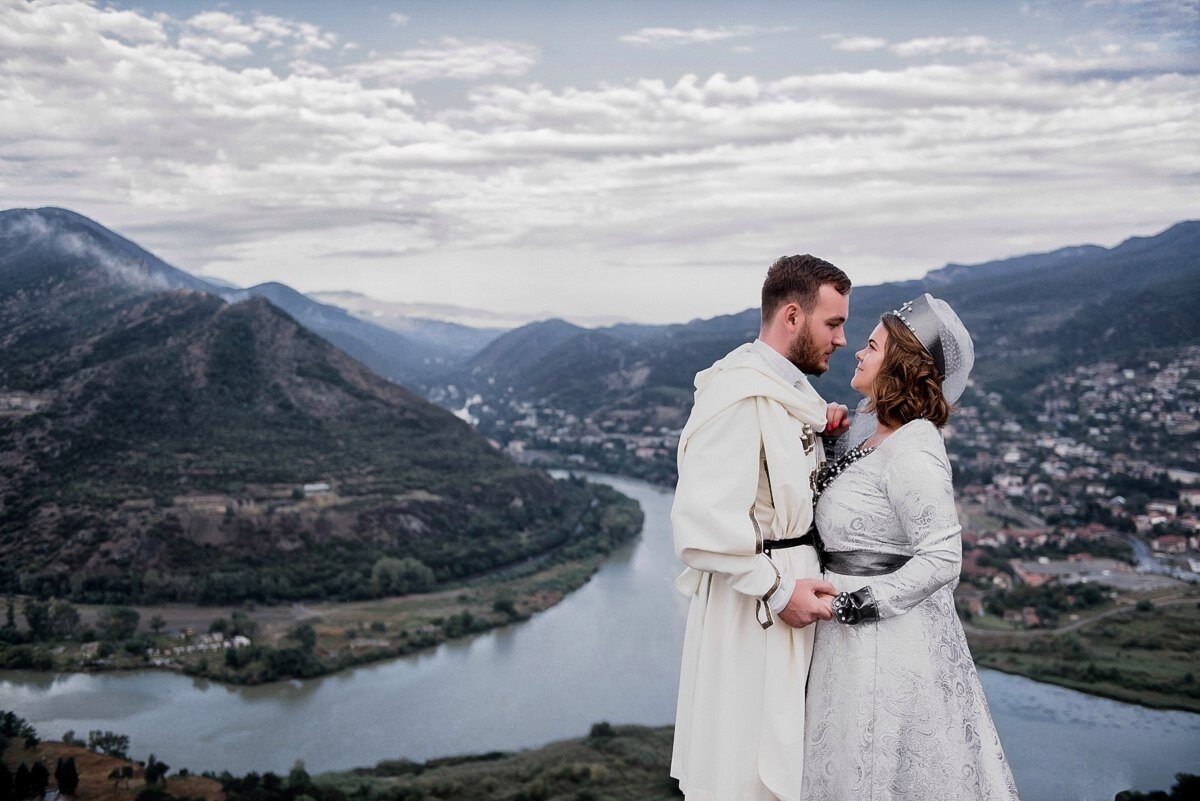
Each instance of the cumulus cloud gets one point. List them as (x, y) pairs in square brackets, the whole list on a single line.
[(451, 58), (210, 47), (678, 37), (399, 20), (335, 171), (936, 45), (855, 44), (227, 26)]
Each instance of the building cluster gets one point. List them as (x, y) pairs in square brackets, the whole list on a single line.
[(202, 644), (1099, 442), (1097, 458), (537, 433)]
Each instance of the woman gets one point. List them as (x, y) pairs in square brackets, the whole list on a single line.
[(895, 709)]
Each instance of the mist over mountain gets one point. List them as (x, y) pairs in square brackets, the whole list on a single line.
[(407, 360), (33, 237), (460, 330), (160, 443)]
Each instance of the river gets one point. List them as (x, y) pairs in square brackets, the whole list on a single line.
[(609, 651)]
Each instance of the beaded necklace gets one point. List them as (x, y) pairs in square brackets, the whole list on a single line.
[(831, 470)]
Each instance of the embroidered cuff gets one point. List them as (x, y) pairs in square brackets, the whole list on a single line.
[(763, 604), (779, 599), (856, 607)]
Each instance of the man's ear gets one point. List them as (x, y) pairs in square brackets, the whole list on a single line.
[(793, 316)]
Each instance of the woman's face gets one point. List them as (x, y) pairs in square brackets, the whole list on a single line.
[(869, 359)]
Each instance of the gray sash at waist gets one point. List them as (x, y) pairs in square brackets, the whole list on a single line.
[(862, 563)]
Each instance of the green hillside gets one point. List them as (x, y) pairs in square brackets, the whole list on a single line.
[(157, 447)]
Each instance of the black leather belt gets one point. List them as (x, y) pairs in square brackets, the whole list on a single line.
[(862, 563), (778, 545)]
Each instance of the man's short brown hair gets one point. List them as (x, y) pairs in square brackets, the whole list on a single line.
[(798, 279)]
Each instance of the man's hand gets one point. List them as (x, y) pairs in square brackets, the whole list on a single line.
[(811, 601), (837, 420)]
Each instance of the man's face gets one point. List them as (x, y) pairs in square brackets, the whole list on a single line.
[(821, 333)]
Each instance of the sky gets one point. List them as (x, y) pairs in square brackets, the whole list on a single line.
[(598, 161)]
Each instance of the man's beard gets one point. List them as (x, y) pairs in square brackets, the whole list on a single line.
[(804, 353)]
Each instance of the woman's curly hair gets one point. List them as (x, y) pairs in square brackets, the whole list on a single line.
[(908, 385)]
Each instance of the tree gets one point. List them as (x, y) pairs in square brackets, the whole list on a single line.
[(6, 788), (157, 624), (22, 787), (110, 743), (390, 576), (242, 624), (39, 779), (66, 776), (37, 615), (118, 622), (64, 620), (155, 770), (305, 635)]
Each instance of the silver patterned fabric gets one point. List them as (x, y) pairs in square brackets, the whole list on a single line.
[(944, 336), (895, 708)]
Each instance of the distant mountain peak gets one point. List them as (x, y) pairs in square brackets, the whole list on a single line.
[(61, 234)]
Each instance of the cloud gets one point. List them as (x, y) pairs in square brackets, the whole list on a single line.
[(399, 20), (227, 26), (214, 48), (164, 129), (855, 44), (937, 45), (677, 37), (451, 59)]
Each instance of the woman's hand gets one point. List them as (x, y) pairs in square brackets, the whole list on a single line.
[(811, 601), (837, 420)]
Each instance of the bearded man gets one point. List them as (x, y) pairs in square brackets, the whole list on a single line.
[(743, 508)]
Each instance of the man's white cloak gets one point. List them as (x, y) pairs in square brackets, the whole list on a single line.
[(747, 462)]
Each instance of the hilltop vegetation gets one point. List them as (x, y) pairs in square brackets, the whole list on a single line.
[(1142, 656), (613, 763)]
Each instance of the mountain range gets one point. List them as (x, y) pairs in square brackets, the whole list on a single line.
[(1028, 315), (166, 437), (159, 442)]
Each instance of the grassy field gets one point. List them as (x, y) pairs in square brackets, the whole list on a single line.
[(347, 634), (617, 763), (1142, 657), (94, 769)]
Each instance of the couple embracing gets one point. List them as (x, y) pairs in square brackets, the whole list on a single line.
[(823, 659)]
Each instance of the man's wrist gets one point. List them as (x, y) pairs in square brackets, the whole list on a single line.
[(782, 595)]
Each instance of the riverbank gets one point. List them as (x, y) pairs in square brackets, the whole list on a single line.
[(309, 640), (1142, 656), (253, 644)]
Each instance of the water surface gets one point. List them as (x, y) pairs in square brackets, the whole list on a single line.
[(610, 651)]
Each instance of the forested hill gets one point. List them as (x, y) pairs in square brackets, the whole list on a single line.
[(167, 445)]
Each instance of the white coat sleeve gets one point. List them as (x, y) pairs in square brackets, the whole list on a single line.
[(713, 515), (918, 486)]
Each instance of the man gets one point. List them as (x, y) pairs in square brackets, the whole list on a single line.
[(743, 507)]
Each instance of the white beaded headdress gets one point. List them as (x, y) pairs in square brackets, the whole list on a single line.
[(944, 336)]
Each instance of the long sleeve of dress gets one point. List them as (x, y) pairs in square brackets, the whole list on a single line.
[(713, 517), (918, 486)]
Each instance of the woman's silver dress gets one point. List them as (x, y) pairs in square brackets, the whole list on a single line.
[(895, 708)]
